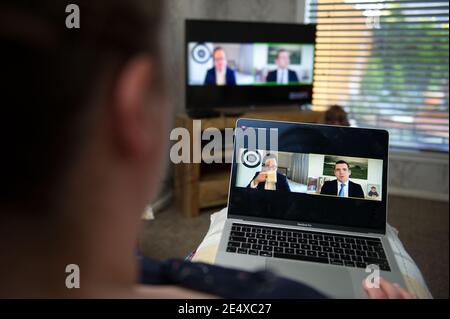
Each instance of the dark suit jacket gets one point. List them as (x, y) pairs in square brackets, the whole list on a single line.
[(331, 188), (281, 184), (210, 78), (272, 76)]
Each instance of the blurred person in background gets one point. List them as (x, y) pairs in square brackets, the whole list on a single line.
[(336, 115)]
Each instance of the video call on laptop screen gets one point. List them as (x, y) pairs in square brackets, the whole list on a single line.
[(321, 176), (309, 173)]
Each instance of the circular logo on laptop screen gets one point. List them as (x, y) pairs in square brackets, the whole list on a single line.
[(251, 159), (201, 53)]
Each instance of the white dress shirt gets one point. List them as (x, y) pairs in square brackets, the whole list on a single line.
[(345, 188), (267, 185), (221, 77), (282, 76)]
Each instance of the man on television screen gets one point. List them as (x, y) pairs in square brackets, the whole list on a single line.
[(342, 186), (282, 75), (220, 74)]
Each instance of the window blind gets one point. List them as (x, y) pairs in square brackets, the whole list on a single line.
[(386, 63)]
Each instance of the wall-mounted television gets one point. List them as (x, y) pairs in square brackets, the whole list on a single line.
[(247, 64)]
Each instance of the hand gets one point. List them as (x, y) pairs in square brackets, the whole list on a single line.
[(260, 178), (387, 290)]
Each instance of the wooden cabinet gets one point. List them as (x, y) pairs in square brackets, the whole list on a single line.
[(200, 185)]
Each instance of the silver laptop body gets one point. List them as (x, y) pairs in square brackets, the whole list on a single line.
[(296, 215)]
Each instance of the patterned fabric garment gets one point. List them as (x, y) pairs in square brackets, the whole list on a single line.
[(222, 282)]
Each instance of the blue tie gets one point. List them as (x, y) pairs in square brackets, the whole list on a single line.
[(341, 191)]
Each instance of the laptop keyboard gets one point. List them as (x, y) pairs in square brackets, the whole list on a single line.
[(326, 248)]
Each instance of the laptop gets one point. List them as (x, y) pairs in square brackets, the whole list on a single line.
[(309, 202)]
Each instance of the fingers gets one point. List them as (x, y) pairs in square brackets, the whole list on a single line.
[(390, 290), (387, 290), (262, 176), (405, 294), (374, 293)]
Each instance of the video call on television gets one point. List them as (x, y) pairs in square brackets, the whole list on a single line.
[(250, 64), (314, 174)]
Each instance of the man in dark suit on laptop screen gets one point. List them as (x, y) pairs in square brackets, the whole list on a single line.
[(342, 186), (282, 75), (220, 74)]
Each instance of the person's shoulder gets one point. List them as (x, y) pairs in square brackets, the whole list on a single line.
[(293, 74), (354, 183), (328, 185), (271, 75)]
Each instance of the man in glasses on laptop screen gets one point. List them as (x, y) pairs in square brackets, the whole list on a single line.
[(268, 178)]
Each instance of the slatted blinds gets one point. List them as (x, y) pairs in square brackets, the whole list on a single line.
[(386, 62)]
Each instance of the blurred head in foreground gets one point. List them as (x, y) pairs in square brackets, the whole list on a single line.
[(82, 131)]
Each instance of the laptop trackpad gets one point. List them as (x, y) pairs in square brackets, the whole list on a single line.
[(332, 281)]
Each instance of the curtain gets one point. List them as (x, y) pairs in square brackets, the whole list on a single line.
[(299, 165)]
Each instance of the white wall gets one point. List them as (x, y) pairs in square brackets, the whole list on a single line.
[(420, 175), (315, 167), (245, 175), (305, 67)]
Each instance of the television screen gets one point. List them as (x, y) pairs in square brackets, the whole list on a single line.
[(243, 64), (262, 64)]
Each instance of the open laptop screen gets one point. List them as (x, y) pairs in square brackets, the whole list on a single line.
[(310, 175)]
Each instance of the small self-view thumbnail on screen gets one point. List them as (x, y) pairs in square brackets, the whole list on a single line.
[(316, 174), (250, 64)]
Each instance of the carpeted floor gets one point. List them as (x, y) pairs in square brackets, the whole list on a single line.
[(423, 229)]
